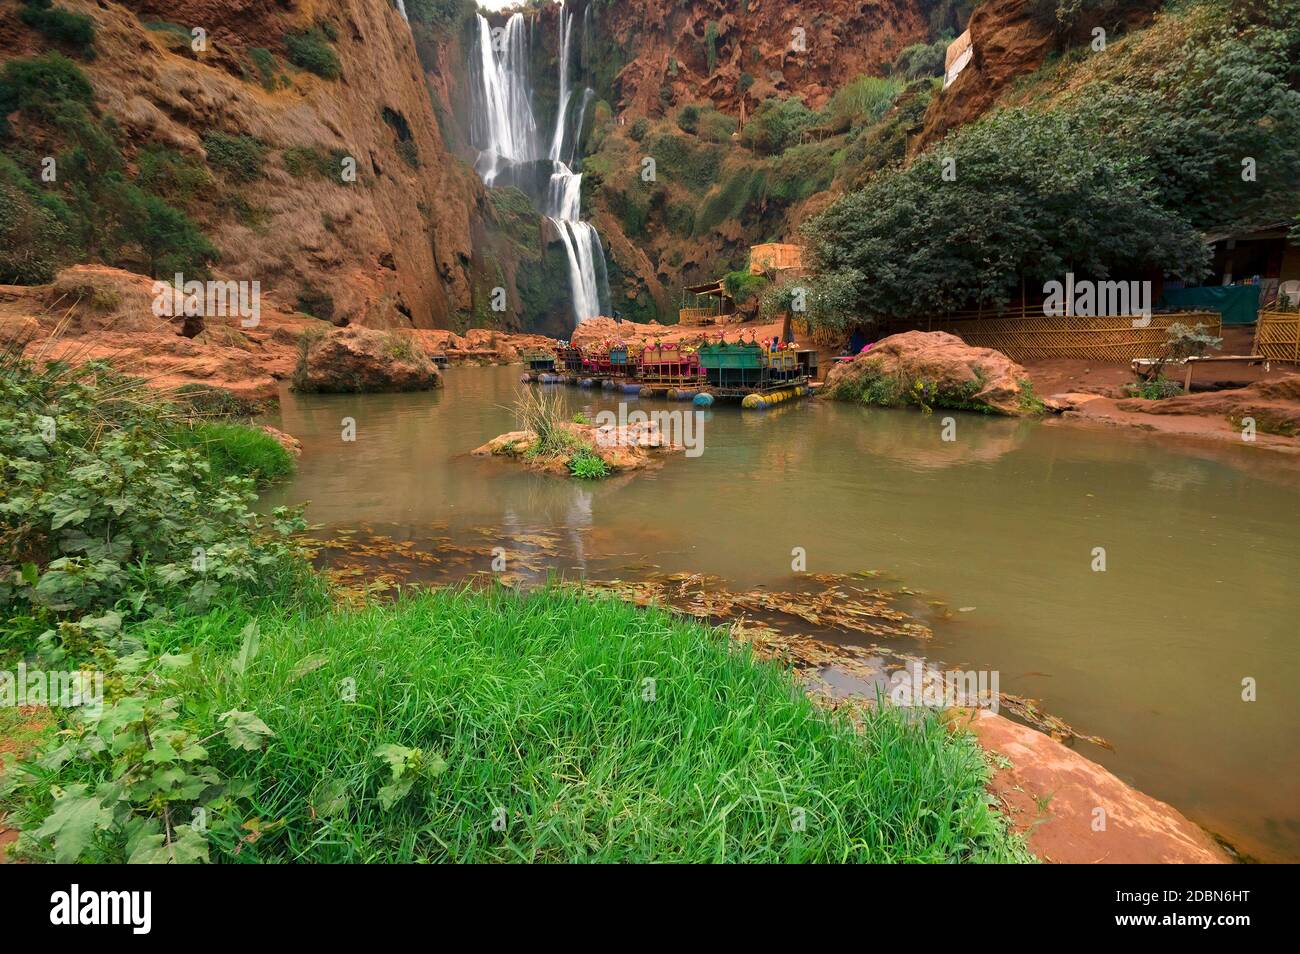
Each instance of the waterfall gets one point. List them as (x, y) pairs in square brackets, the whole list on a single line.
[(512, 151)]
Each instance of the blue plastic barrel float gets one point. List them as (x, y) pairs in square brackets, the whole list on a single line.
[(703, 399), (631, 389), (586, 382)]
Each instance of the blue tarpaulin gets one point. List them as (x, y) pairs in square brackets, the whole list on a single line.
[(1238, 304)]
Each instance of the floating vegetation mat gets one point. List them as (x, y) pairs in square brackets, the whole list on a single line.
[(816, 629)]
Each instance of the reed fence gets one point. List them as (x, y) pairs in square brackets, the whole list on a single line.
[(1029, 335), (1277, 335)]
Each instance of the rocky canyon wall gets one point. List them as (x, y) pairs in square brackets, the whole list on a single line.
[(392, 248)]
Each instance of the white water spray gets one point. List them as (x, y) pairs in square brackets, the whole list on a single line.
[(506, 132)]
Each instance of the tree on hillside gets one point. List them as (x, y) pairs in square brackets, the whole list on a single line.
[(1028, 196)]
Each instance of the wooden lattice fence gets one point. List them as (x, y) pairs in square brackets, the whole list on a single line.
[(1277, 335), (1029, 335)]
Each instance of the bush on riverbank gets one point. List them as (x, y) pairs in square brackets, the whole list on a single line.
[(110, 510), (236, 450), (1157, 157)]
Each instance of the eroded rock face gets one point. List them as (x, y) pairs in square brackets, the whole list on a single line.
[(97, 313), (951, 374), (362, 360), (392, 248), (784, 48), (1009, 38)]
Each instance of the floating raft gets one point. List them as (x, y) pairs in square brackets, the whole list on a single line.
[(760, 400), (749, 372)]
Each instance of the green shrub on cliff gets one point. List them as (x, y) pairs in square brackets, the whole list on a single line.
[(778, 124), (311, 50), (39, 85), (168, 241), (861, 103), (59, 25), (921, 60), (34, 235), (238, 158)]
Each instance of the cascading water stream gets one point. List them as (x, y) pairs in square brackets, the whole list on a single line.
[(506, 132)]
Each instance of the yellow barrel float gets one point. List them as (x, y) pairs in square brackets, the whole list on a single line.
[(756, 402)]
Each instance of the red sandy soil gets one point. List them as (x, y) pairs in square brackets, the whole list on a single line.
[(1053, 794), (1093, 393), (1059, 375), (15, 746)]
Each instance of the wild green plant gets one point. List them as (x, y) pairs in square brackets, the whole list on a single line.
[(311, 50), (101, 512), (133, 779), (586, 465)]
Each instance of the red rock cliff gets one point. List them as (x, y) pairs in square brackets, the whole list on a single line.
[(391, 249)]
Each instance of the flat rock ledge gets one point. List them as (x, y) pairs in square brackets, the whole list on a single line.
[(1072, 790)]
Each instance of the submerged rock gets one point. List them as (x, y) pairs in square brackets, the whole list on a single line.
[(361, 360), (934, 369)]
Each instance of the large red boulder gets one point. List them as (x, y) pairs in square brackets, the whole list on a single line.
[(362, 360), (933, 369)]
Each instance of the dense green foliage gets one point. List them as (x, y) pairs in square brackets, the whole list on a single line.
[(42, 85), (921, 60), (59, 25), (168, 241), (442, 14), (861, 103), (34, 235), (237, 450), (1034, 195), (173, 176), (1117, 181), (778, 124), (238, 158), (744, 285), (586, 465), (107, 506)]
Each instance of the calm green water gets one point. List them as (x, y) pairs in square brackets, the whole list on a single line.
[(1202, 553)]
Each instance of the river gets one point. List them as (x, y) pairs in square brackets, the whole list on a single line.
[(997, 530)]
